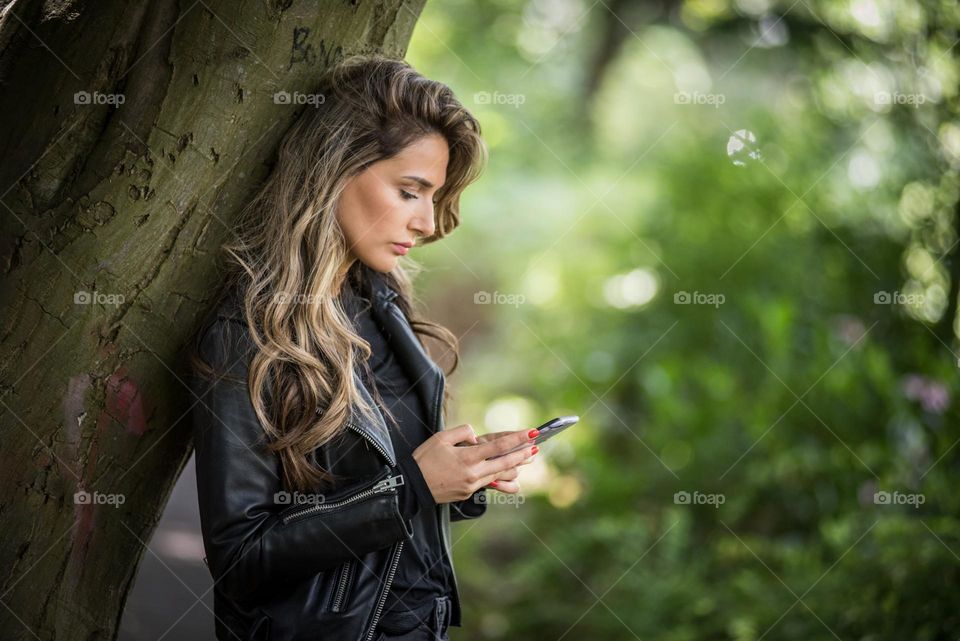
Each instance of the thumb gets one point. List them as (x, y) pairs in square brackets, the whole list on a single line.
[(460, 433)]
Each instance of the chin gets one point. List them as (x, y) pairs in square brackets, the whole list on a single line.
[(382, 264)]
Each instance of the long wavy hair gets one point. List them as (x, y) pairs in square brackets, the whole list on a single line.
[(290, 250)]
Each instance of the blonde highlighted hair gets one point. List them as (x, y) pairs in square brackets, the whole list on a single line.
[(290, 260)]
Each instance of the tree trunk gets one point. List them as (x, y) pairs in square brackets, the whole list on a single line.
[(132, 134)]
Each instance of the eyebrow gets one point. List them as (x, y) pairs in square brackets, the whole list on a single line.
[(421, 181)]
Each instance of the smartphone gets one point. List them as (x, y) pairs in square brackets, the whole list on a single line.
[(549, 429)]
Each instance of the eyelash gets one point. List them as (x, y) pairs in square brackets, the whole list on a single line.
[(406, 195)]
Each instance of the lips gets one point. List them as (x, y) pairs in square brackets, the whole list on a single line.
[(401, 249)]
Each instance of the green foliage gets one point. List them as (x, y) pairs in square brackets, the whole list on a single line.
[(786, 394)]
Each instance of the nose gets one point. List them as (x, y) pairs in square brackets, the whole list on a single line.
[(423, 222)]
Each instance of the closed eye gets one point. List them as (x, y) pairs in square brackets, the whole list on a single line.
[(406, 195)]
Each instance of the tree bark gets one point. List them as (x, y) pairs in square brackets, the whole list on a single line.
[(114, 202)]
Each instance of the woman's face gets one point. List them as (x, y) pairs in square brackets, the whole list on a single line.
[(391, 202)]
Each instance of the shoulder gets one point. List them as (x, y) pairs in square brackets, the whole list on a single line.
[(225, 341)]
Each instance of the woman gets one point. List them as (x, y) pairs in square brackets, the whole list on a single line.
[(326, 480)]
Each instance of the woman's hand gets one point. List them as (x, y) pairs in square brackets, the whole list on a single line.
[(506, 481), (454, 465)]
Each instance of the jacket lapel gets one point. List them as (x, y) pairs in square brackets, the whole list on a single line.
[(427, 376), (378, 431)]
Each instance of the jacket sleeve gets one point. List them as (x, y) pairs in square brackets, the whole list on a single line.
[(471, 508), (250, 546), (415, 494)]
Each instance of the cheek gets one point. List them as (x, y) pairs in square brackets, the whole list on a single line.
[(376, 205), (381, 214), (356, 212)]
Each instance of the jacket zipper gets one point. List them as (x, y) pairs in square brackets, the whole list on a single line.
[(341, 586), (359, 430), (438, 409), (390, 295), (443, 530), (395, 560), (381, 486), (386, 590)]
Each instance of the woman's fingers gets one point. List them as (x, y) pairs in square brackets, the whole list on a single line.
[(496, 466), (501, 445), (507, 475), (457, 434), (510, 487), (503, 477), (491, 436)]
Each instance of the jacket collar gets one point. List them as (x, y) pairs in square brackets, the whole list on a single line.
[(427, 377)]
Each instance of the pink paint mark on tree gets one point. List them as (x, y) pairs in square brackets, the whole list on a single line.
[(125, 403)]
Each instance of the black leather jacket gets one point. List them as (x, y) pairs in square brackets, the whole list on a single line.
[(294, 570)]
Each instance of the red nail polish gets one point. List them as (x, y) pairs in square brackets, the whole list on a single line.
[(493, 484), (534, 450), (533, 433)]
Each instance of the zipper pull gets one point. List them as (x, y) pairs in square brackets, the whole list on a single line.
[(392, 481)]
